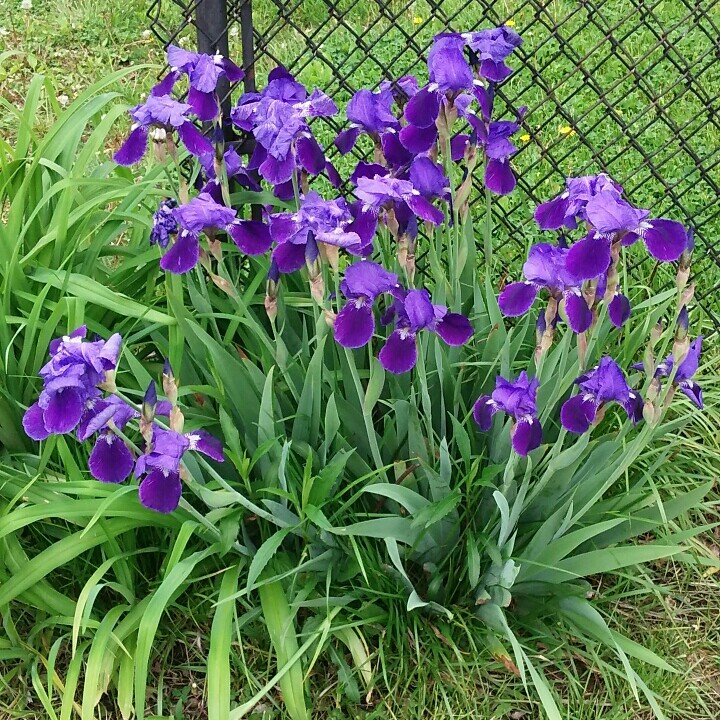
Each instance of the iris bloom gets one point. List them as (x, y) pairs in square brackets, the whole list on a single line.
[(600, 386), (159, 466), (234, 169), (613, 219), (414, 312), (518, 399), (385, 192), (111, 460), (363, 283), (490, 48), (71, 379), (164, 114), (685, 372), (277, 118), (203, 72), (546, 267), (451, 81), (316, 221), (165, 224), (199, 215), (569, 207), (369, 113)]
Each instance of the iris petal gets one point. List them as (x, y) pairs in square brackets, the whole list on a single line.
[(354, 326), (160, 491), (399, 354), (110, 460)]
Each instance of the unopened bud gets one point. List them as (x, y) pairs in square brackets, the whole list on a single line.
[(683, 321), (317, 289), (147, 412), (687, 295), (656, 334), (649, 412), (108, 384), (271, 307), (329, 317), (330, 254), (177, 419), (653, 390), (391, 222), (169, 383)]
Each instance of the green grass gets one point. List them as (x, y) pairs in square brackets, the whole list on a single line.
[(423, 668)]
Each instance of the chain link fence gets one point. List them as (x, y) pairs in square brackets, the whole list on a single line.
[(629, 88)]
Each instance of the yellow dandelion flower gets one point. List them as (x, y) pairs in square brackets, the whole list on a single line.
[(417, 20), (525, 137), (510, 22), (566, 130)]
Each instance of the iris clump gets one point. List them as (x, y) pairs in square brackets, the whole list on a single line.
[(79, 394), (359, 252)]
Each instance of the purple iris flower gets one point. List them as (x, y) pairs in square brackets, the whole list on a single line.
[(569, 207), (111, 460), (517, 398), (71, 379), (160, 488), (414, 311), (277, 118), (369, 113), (203, 72), (492, 47), (363, 283), (451, 81), (546, 267), (164, 114), (613, 219), (384, 192), (165, 224), (199, 215), (494, 138), (316, 221), (603, 384), (234, 169), (685, 372)]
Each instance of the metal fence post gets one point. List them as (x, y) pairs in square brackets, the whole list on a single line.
[(212, 38)]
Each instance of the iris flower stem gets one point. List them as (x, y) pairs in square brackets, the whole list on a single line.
[(367, 416), (425, 396), (454, 231), (487, 246)]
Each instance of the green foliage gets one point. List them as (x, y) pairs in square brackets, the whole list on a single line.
[(354, 505)]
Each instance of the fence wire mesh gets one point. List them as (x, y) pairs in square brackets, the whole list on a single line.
[(629, 88)]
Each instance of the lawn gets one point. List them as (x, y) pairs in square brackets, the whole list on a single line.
[(668, 607)]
